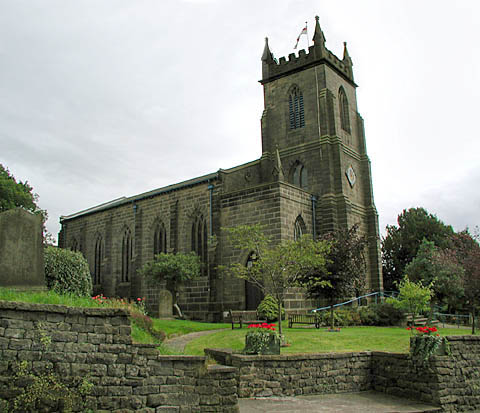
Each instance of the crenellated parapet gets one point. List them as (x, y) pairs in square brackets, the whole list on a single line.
[(317, 54)]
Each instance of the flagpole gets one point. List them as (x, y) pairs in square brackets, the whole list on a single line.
[(308, 41)]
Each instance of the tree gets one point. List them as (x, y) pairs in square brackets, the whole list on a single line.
[(467, 251), (275, 267), (175, 269), (401, 244), (15, 194), (441, 269), (413, 298), (20, 194), (345, 271)]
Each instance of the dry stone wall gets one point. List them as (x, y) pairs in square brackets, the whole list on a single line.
[(96, 342)]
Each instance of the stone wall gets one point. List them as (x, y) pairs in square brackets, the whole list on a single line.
[(97, 343), (452, 381), (293, 375)]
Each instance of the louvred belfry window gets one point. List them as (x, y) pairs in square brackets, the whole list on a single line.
[(295, 108), (344, 110)]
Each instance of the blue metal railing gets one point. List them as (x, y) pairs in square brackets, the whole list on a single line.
[(377, 294)]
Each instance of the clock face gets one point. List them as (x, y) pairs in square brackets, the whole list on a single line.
[(351, 176)]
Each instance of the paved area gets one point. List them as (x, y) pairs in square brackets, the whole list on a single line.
[(370, 402)]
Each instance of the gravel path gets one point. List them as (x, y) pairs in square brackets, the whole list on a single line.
[(179, 343)]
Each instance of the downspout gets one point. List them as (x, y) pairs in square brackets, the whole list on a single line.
[(314, 207), (210, 188)]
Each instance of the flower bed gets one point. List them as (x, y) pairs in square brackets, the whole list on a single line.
[(262, 339)]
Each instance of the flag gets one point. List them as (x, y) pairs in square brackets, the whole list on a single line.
[(304, 31)]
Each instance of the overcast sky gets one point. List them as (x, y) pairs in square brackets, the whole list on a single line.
[(107, 98)]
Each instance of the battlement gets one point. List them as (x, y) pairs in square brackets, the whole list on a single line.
[(317, 54)]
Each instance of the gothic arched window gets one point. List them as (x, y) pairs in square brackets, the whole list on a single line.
[(299, 228), (295, 109), (97, 265), (199, 239), (74, 245), (126, 256), (344, 110), (159, 239), (300, 176)]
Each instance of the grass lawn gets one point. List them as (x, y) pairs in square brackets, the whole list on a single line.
[(180, 327), (310, 340)]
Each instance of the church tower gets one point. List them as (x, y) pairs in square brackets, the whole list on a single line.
[(313, 136)]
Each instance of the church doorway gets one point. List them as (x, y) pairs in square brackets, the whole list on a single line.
[(253, 294)]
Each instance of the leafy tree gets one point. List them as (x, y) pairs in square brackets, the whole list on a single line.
[(467, 250), (401, 244), (15, 194), (345, 270), (439, 268), (276, 267), (67, 272), (175, 269), (413, 297)]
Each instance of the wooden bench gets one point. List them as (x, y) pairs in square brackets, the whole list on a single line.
[(311, 319), (420, 321), (244, 317)]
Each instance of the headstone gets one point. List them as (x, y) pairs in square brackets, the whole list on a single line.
[(21, 250), (165, 303)]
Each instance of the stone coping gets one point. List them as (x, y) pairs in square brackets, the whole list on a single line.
[(62, 309), (286, 357)]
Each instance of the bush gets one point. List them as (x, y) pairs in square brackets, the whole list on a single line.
[(388, 314), (268, 309), (67, 272)]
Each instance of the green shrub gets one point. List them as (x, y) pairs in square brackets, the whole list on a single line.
[(388, 314), (368, 316), (268, 309), (67, 272)]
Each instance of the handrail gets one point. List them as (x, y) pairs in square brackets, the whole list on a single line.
[(376, 294)]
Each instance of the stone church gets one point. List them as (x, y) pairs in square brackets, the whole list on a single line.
[(313, 176)]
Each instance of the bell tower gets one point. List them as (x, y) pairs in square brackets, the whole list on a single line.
[(312, 128)]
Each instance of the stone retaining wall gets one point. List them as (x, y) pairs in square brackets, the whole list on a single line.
[(130, 377), (450, 381), (96, 342), (292, 375)]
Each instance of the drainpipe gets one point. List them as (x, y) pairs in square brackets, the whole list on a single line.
[(210, 188), (314, 204)]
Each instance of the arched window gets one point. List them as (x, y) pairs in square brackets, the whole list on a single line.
[(74, 245), (300, 176), (299, 228), (199, 239), (344, 110), (126, 256), (97, 266), (253, 294), (159, 239), (295, 108)]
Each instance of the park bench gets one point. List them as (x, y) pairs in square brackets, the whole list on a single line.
[(311, 319), (244, 317), (419, 321)]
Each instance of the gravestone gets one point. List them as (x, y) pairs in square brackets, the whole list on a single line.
[(21, 250), (165, 303)]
